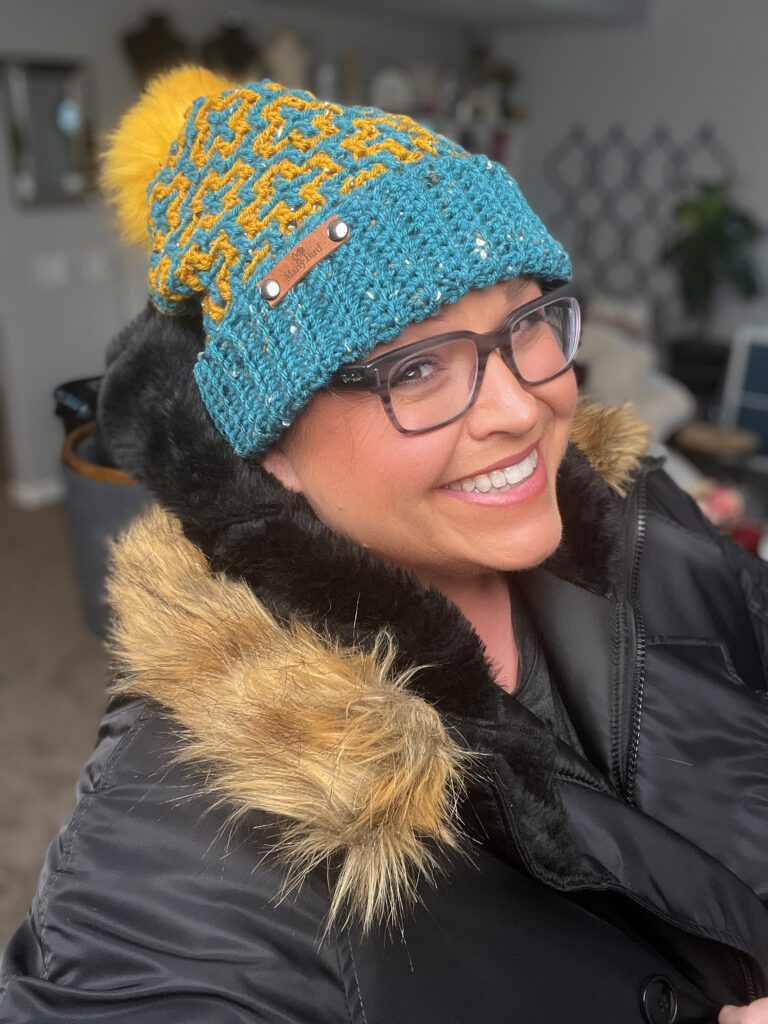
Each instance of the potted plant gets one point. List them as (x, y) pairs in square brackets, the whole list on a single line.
[(710, 249)]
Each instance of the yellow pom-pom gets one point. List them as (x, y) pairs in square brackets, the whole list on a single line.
[(140, 144)]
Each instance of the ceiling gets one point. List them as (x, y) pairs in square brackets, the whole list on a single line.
[(483, 14)]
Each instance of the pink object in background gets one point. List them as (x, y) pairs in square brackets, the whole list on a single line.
[(749, 534), (721, 504), (724, 507)]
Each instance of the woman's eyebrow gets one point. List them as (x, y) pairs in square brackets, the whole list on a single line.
[(512, 291), (515, 286)]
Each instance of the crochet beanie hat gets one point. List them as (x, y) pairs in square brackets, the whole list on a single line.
[(310, 232)]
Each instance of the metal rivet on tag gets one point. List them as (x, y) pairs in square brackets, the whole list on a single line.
[(270, 289), (338, 230), (297, 262)]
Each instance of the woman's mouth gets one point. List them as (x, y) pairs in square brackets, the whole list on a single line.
[(499, 480), (508, 485)]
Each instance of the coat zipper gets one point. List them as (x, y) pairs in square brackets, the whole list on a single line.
[(640, 647), (639, 686), (749, 982)]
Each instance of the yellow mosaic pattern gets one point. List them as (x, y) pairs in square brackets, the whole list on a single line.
[(234, 174)]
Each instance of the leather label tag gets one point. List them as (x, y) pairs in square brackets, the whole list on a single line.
[(306, 254)]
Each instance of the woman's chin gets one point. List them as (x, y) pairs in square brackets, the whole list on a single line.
[(528, 548)]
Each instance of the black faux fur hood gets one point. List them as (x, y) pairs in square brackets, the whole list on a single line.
[(310, 679)]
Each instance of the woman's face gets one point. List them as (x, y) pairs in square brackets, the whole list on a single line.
[(392, 492)]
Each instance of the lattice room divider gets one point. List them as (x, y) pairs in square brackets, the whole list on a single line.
[(615, 197)]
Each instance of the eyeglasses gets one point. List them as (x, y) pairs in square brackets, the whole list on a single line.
[(433, 382)]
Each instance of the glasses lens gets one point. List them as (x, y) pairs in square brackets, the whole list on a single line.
[(434, 386), (544, 341)]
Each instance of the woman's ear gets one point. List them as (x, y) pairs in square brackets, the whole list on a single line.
[(277, 462)]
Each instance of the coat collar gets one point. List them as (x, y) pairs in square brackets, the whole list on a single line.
[(297, 567), (317, 684)]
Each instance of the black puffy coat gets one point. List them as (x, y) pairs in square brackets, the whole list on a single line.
[(289, 817)]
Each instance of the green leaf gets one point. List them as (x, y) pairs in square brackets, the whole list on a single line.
[(709, 247)]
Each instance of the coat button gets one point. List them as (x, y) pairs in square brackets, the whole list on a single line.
[(658, 1000)]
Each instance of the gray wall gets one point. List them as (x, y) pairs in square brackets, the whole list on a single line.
[(66, 285), (687, 62)]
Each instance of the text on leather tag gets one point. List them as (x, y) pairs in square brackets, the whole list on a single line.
[(307, 253)]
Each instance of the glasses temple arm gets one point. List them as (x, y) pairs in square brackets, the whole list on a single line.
[(355, 375)]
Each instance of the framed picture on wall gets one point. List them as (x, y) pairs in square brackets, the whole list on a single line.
[(47, 129)]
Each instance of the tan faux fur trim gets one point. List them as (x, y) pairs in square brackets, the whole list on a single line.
[(358, 768), (613, 439)]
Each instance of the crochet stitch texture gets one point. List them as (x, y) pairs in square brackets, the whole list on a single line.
[(253, 171)]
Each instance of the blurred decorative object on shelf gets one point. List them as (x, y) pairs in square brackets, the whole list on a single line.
[(154, 47), (426, 80), (286, 59), (477, 111), (392, 88), (327, 81), (50, 141), (352, 89), (494, 84), (481, 113), (231, 52), (710, 249)]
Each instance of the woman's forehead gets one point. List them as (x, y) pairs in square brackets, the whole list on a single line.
[(452, 317)]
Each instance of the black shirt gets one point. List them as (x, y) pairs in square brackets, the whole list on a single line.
[(535, 688)]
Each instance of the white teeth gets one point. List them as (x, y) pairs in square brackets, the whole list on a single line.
[(498, 479)]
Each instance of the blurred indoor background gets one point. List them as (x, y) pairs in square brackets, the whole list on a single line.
[(636, 128)]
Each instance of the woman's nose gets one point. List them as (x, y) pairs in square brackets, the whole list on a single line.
[(503, 404)]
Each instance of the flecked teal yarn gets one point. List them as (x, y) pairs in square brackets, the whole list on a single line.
[(254, 171)]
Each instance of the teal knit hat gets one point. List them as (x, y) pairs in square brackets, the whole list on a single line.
[(312, 233)]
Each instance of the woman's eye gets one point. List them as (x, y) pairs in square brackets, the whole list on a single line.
[(529, 322), (418, 371)]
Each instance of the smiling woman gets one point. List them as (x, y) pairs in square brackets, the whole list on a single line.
[(433, 698), (461, 505), (346, 459)]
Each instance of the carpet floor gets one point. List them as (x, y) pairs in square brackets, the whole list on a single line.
[(52, 676)]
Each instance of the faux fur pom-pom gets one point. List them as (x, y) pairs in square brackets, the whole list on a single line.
[(139, 146)]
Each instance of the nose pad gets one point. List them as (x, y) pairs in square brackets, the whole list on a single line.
[(506, 359), (502, 403)]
